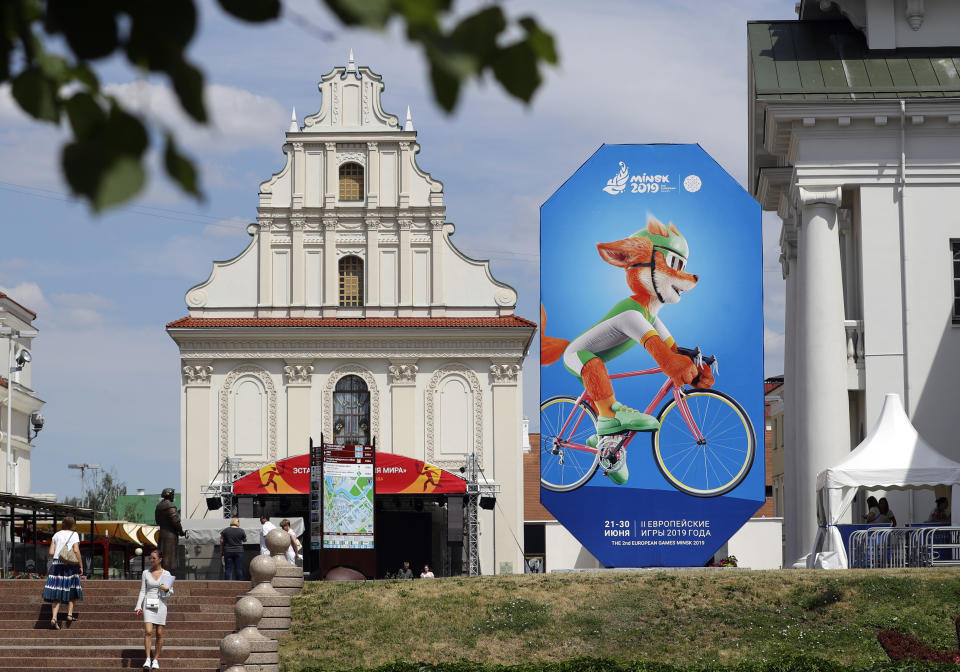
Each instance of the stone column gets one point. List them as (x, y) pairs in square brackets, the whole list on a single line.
[(405, 264), (372, 266), (276, 606), (791, 274), (298, 376), (264, 652), (199, 452), (298, 295), (405, 177), (373, 176), (332, 187), (265, 294), (299, 175), (507, 466), (331, 284), (403, 408), (437, 299), (822, 406)]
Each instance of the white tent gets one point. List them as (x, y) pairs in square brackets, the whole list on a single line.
[(893, 456)]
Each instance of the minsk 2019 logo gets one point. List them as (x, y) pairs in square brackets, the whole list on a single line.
[(646, 183), (618, 182)]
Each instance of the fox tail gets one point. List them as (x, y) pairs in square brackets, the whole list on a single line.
[(551, 349)]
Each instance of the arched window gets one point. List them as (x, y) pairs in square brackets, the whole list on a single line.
[(351, 282), (351, 182), (351, 412)]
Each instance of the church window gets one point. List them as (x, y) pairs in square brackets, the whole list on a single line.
[(351, 282), (351, 182), (351, 412)]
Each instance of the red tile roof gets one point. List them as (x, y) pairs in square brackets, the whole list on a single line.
[(5, 296), (381, 322)]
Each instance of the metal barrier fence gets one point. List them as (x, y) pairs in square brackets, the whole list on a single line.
[(885, 547)]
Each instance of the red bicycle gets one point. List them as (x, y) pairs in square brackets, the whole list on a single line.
[(704, 447)]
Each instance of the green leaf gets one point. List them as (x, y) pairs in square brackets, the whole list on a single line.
[(104, 180), (86, 117), (477, 34), (36, 94), (188, 84), (124, 134), (90, 27), (121, 180), (540, 41), (446, 87), (516, 68), (83, 74), (369, 13), (180, 168), (254, 11)]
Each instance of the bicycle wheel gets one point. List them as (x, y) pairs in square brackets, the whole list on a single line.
[(566, 462), (722, 461)]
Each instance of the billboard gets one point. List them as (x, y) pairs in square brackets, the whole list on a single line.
[(347, 502), (651, 381)]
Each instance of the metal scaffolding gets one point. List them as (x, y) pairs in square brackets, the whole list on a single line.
[(224, 488), (476, 490)]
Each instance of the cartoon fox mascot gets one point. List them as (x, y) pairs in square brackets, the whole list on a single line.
[(654, 259)]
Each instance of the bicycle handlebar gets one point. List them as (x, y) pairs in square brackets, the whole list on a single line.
[(695, 354)]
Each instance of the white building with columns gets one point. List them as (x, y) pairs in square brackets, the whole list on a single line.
[(855, 143), (351, 314), (17, 333)]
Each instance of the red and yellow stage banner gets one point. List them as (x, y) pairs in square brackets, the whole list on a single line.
[(395, 474)]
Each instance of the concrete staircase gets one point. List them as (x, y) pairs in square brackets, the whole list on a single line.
[(108, 633)]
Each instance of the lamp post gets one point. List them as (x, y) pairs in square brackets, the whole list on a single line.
[(83, 470), (14, 364)]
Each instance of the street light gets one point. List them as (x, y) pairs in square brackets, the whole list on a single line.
[(14, 364), (83, 470)]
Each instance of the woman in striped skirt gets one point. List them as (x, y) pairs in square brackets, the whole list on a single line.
[(63, 577)]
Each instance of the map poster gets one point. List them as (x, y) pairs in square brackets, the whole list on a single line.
[(347, 502), (316, 476)]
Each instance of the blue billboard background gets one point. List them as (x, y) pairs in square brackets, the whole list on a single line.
[(646, 521)]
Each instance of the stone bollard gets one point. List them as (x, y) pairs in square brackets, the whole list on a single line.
[(289, 578), (234, 650), (276, 607), (264, 652)]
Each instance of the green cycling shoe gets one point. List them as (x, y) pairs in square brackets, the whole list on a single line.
[(616, 470), (626, 419)]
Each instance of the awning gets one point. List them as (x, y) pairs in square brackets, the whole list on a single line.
[(136, 533), (395, 474)]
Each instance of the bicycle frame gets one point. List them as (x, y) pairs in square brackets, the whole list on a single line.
[(668, 387)]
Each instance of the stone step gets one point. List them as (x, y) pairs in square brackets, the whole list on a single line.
[(107, 658), (125, 638), (196, 627)]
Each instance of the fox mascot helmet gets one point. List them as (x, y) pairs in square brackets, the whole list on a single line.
[(673, 247)]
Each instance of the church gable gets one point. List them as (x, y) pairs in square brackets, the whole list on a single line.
[(351, 227)]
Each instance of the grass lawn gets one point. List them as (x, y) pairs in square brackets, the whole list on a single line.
[(697, 617)]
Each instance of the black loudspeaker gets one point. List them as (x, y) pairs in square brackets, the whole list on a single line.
[(214, 503), (455, 520), (488, 503)]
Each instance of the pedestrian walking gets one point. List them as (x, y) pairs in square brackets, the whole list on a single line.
[(293, 550), (156, 586), (265, 528), (63, 578)]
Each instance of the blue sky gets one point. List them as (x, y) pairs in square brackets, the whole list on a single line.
[(104, 287)]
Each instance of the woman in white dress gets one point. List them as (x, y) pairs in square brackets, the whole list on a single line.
[(155, 587), (293, 550)]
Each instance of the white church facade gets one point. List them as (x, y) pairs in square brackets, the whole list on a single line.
[(352, 315), (854, 138)]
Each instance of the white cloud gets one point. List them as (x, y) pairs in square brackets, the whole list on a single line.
[(239, 119)]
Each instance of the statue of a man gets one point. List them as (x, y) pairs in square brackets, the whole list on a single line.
[(170, 528)]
